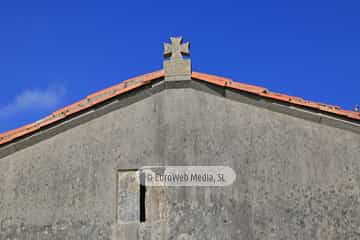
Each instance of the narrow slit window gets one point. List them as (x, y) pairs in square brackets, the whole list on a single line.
[(142, 198)]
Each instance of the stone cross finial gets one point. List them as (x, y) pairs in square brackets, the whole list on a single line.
[(176, 48), (175, 66)]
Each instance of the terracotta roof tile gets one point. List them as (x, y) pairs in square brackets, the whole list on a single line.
[(276, 96), (139, 81), (81, 105)]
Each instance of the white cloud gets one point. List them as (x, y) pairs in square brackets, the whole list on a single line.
[(34, 100)]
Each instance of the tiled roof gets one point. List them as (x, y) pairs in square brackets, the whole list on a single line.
[(136, 82), (263, 92)]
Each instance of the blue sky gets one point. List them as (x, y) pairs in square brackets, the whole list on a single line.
[(53, 53)]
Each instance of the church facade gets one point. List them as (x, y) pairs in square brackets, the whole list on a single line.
[(70, 175)]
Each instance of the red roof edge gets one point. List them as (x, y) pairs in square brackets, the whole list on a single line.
[(81, 105), (263, 92), (142, 80)]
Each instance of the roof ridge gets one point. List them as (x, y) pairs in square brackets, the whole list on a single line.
[(227, 82), (135, 82), (81, 105)]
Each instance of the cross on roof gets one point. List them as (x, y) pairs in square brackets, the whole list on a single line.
[(176, 67), (176, 49)]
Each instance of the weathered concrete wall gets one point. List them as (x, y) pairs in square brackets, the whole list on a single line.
[(296, 179)]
